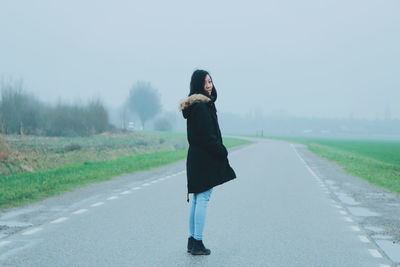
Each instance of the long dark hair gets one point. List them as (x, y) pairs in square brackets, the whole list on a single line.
[(197, 84)]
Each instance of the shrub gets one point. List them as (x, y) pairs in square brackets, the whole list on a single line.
[(72, 147)]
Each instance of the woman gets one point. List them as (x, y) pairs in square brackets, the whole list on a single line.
[(207, 162)]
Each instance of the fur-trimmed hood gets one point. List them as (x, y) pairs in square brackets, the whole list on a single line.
[(186, 104)]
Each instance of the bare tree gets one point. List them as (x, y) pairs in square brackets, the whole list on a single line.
[(144, 100)]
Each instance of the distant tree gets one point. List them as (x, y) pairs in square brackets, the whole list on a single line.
[(97, 116), (22, 113), (19, 111), (144, 100)]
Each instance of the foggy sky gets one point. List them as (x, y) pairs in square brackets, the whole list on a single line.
[(305, 58)]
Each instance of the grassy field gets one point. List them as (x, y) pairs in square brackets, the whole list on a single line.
[(378, 162), (94, 159), (33, 153)]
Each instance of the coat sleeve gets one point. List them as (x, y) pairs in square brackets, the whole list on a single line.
[(206, 134)]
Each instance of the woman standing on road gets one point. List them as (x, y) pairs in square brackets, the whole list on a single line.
[(207, 162)]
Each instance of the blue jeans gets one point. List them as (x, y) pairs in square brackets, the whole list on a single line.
[(197, 213)]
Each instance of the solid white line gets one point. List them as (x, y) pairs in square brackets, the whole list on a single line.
[(348, 219), (5, 242), (97, 204), (125, 192), (80, 211), (61, 219), (136, 188), (375, 253), (113, 197), (363, 239), (32, 231), (355, 228)]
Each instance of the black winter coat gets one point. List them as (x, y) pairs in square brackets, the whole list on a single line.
[(207, 162)]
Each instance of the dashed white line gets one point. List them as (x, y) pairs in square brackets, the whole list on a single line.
[(61, 219), (363, 239), (32, 231), (5, 242), (136, 188), (97, 204), (80, 211), (343, 212), (375, 253), (384, 265), (295, 150), (355, 228), (153, 182), (146, 184), (125, 192), (112, 198), (338, 206)]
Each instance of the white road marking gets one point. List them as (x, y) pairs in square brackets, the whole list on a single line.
[(125, 192), (97, 204), (343, 212), (384, 265), (113, 197), (338, 206), (32, 231), (146, 184), (375, 253), (153, 182), (61, 219), (5, 242), (363, 239), (348, 219), (136, 188), (311, 171), (295, 150), (355, 228), (80, 211)]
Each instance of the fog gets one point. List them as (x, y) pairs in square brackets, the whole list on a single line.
[(331, 59)]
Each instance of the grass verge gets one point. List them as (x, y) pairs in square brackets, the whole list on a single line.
[(19, 189), (377, 162)]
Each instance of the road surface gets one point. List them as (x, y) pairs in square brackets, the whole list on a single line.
[(278, 212)]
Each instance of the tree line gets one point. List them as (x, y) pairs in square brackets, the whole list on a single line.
[(22, 113)]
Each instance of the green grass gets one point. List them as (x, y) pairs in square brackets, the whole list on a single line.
[(378, 162), (35, 153), (28, 187)]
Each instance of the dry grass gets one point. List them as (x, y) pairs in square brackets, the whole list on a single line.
[(4, 149)]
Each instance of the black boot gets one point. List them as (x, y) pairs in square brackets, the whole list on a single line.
[(190, 244), (199, 248)]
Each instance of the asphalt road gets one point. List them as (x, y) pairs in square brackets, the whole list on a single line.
[(278, 212)]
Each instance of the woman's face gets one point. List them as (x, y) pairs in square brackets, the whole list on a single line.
[(208, 86)]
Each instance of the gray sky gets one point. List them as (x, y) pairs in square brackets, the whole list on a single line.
[(308, 58)]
